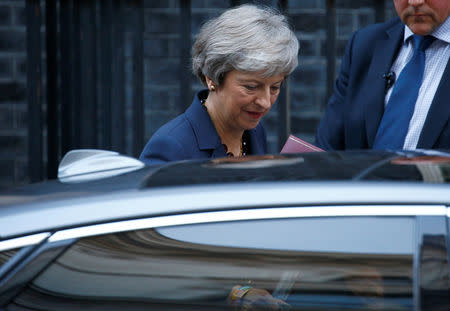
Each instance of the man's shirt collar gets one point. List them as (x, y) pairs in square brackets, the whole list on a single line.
[(442, 32)]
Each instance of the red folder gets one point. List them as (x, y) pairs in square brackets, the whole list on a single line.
[(295, 145)]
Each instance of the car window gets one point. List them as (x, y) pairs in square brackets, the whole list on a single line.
[(343, 235), (304, 262)]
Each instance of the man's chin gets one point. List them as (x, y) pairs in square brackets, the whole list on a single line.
[(420, 25), (421, 29)]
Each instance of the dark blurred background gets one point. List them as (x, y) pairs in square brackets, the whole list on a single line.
[(106, 74)]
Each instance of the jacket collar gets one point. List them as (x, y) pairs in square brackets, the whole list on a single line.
[(204, 130)]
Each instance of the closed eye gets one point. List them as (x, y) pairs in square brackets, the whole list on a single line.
[(250, 87), (275, 89)]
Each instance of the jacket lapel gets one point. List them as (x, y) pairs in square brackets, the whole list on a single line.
[(439, 113), (383, 56)]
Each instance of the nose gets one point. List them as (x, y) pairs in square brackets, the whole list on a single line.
[(263, 98)]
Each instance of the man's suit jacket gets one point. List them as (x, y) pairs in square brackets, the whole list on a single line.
[(192, 135), (355, 109)]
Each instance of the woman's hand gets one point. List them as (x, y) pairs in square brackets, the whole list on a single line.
[(251, 299)]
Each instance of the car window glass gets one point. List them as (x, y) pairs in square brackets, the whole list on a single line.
[(347, 234), (434, 262), (147, 270)]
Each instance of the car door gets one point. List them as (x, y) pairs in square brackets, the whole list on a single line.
[(358, 257)]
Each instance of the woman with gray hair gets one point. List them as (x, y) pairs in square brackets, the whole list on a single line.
[(242, 57)]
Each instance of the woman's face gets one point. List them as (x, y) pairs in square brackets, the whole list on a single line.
[(244, 98)]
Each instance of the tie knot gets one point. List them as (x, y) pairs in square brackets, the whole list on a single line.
[(421, 43)]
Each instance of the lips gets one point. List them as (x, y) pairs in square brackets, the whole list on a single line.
[(254, 115), (418, 13)]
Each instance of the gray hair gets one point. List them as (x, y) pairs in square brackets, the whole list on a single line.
[(246, 38)]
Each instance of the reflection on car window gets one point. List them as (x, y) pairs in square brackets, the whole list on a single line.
[(149, 270), (7, 255), (346, 234)]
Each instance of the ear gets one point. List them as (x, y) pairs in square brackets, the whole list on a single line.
[(210, 83)]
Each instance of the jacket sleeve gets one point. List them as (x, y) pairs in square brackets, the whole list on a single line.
[(162, 149), (330, 133)]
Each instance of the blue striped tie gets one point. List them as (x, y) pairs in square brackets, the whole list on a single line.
[(400, 107)]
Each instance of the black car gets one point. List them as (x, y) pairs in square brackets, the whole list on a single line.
[(319, 231)]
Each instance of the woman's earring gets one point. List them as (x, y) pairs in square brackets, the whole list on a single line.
[(213, 88)]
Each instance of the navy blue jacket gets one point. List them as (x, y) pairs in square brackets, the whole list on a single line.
[(355, 109), (192, 135)]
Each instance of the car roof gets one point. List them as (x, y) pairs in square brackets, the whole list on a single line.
[(314, 166)]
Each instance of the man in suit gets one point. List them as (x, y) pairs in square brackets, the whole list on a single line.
[(374, 58)]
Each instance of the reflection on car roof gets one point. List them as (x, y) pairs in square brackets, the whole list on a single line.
[(317, 166)]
